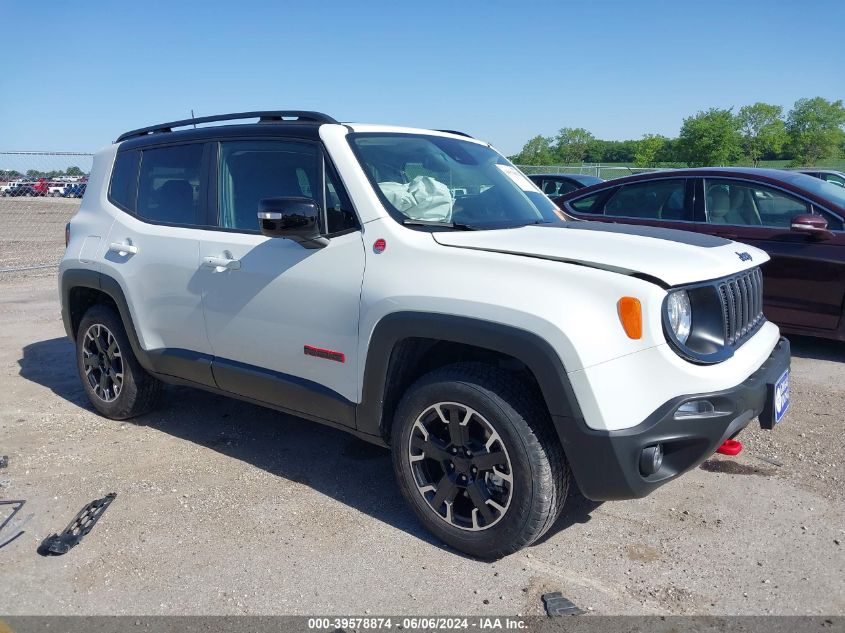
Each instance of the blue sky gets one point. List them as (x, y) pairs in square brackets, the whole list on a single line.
[(79, 74)]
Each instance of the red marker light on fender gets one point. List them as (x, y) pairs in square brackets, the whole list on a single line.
[(379, 245)]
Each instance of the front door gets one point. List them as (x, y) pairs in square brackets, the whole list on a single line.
[(282, 319), (804, 283)]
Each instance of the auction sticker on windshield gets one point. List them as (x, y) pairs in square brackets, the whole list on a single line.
[(518, 178)]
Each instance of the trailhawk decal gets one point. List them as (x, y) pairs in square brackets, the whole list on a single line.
[(327, 354)]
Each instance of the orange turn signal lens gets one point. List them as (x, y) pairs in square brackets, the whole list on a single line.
[(631, 315)]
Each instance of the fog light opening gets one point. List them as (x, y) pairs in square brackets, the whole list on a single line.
[(694, 408), (651, 459)]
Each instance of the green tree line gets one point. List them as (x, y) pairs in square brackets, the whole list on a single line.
[(13, 174), (811, 131)]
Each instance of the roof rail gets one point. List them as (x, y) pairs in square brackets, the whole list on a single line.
[(455, 132), (263, 116)]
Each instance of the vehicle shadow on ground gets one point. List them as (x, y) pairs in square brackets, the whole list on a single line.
[(816, 348), (334, 463)]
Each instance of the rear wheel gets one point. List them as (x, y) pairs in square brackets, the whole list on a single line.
[(116, 384), (475, 458)]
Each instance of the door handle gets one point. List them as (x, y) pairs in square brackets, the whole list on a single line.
[(221, 263), (123, 249)]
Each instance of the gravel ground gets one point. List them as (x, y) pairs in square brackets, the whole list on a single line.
[(227, 508)]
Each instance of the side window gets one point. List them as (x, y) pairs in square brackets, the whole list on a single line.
[(124, 180), (586, 204), (169, 184), (339, 213), (656, 200), (549, 187), (835, 179), (566, 187), (749, 204), (253, 170)]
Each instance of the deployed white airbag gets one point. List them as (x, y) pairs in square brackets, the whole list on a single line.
[(424, 198)]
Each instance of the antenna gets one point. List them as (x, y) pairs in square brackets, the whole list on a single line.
[(192, 117)]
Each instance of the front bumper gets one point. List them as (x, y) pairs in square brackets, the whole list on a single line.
[(606, 464)]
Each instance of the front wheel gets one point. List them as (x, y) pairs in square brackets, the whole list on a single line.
[(476, 458)]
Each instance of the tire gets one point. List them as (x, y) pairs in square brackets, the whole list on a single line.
[(128, 390), (493, 408)]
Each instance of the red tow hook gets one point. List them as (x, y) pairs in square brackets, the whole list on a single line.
[(730, 447)]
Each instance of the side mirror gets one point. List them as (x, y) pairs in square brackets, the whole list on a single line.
[(810, 224), (294, 218)]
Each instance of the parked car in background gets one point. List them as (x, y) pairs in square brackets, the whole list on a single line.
[(560, 184), (76, 190), (41, 187), (794, 217), (25, 190), (830, 175), (56, 189)]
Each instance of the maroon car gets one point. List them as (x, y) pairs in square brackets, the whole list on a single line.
[(795, 218)]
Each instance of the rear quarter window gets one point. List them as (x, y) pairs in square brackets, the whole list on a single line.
[(124, 180), (586, 204)]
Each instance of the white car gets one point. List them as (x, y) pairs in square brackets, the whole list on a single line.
[(415, 289)]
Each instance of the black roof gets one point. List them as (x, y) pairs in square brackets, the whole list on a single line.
[(819, 170), (289, 122)]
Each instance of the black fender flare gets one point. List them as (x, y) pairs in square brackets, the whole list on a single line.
[(83, 278), (529, 348), (164, 364)]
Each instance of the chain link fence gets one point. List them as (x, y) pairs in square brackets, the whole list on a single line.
[(39, 193), (606, 172)]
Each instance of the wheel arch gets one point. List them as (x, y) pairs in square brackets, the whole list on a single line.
[(81, 289), (405, 345)]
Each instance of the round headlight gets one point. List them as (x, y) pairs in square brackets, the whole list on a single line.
[(680, 314)]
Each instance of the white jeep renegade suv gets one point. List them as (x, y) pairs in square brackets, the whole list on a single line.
[(415, 289)]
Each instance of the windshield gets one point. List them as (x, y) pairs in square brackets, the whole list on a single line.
[(444, 181), (821, 188)]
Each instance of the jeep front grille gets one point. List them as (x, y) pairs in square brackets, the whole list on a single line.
[(742, 305)]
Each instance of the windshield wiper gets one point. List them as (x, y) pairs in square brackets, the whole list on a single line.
[(446, 225)]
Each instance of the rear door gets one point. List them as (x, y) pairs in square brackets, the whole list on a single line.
[(666, 202), (152, 250), (282, 319), (804, 283)]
